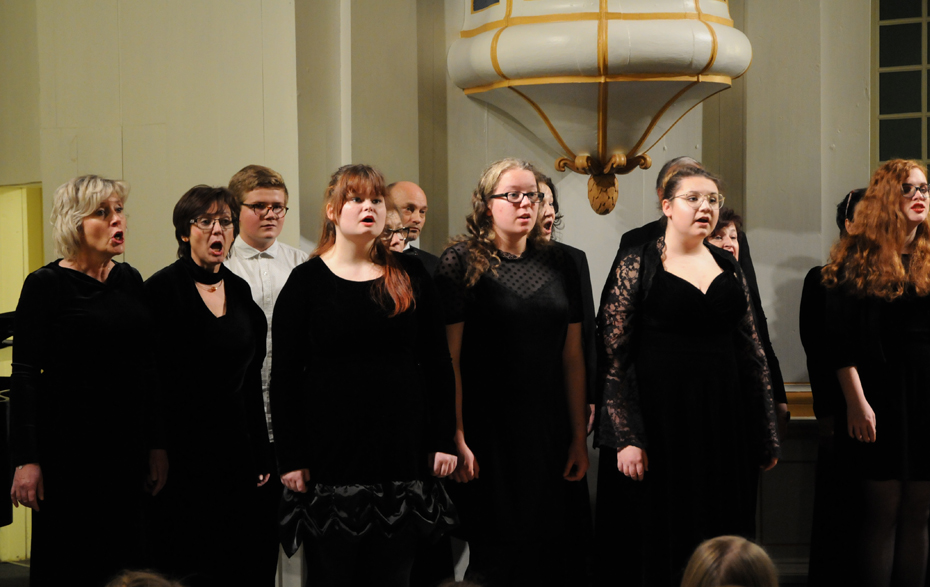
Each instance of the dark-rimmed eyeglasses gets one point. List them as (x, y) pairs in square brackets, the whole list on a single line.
[(695, 199), (517, 197), (389, 233), (206, 224), (260, 209), (911, 190)]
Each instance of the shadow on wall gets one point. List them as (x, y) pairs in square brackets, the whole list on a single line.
[(783, 314)]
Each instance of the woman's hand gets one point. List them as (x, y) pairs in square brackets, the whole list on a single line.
[(632, 462), (28, 487), (591, 409), (467, 467), (442, 464), (263, 478), (577, 463), (771, 464), (158, 471), (296, 480), (861, 421)]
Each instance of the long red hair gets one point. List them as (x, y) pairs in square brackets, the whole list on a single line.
[(867, 260), (393, 292)]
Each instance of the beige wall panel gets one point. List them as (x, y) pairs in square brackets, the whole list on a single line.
[(279, 80), (58, 148), (150, 243), (144, 33), (384, 87), (19, 93), (46, 35), (85, 34), (783, 163), (319, 111), (845, 101)]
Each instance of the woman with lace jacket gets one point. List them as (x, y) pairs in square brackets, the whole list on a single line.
[(685, 415)]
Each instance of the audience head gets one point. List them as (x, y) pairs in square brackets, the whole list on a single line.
[(730, 561), (410, 201), (549, 217), (669, 169), (691, 203), (395, 233), (726, 233), (142, 579), (262, 203), (205, 224), (82, 211)]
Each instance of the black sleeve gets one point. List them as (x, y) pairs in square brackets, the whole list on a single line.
[(812, 322), (31, 327), (253, 400), (290, 324), (435, 361), (152, 388), (450, 283), (587, 322)]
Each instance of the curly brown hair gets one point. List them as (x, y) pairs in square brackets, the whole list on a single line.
[(479, 241), (867, 260)]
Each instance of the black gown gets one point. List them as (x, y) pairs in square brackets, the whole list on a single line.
[(888, 343), (524, 522), (683, 376), (360, 399), (84, 409), (203, 522)]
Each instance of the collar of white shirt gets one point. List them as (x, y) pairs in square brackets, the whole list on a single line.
[(244, 250)]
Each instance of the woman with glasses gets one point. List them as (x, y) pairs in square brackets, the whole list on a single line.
[(513, 320), (879, 314), (362, 398), (395, 233), (210, 339), (83, 430), (685, 416)]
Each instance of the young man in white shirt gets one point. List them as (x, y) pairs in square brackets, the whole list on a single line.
[(258, 257)]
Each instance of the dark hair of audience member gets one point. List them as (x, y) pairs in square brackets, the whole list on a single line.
[(846, 209), (142, 579), (727, 217)]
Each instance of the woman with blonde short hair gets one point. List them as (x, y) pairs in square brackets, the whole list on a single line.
[(730, 561), (82, 420)]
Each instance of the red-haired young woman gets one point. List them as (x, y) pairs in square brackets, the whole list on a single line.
[(879, 314), (362, 397)]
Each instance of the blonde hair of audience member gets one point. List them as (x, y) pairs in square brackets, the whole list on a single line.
[(74, 201), (730, 561), (481, 236), (142, 579)]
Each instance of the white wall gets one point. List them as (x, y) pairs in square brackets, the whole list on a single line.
[(19, 93), (166, 94)]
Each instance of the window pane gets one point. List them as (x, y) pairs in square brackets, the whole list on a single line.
[(899, 92), (477, 5), (899, 139), (899, 9), (898, 44)]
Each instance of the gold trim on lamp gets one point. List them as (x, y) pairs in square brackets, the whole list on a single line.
[(509, 20)]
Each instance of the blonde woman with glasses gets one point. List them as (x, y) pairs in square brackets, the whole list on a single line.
[(685, 417)]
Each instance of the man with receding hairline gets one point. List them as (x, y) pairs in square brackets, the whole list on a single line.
[(410, 201)]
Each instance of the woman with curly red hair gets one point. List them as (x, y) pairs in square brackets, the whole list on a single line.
[(879, 277)]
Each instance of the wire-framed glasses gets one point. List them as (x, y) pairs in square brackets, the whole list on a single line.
[(695, 199), (517, 197), (261, 209), (206, 224)]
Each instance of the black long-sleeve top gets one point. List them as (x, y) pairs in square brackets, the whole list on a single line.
[(358, 397)]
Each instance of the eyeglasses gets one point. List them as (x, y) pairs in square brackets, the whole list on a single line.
[(695, 199), (517, 197), (206, 224), (911, 190), (389, 233), (260, 209)]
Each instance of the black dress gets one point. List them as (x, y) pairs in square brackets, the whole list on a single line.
[(523, 521), (83, 408), (888, 343), (683, 376), (360, 399), (203, 522)]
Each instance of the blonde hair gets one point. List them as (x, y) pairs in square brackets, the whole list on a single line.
[(76, 200), (480, 238), (867, 259), (253, 177), (731, 561)]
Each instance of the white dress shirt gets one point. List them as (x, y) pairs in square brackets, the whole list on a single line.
[(266, 271)]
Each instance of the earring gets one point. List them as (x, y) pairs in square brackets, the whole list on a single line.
[(185, 239)]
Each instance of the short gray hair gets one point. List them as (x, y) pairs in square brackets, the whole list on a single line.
[(76, 200)]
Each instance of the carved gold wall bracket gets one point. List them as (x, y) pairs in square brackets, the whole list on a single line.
[(602, 185)]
